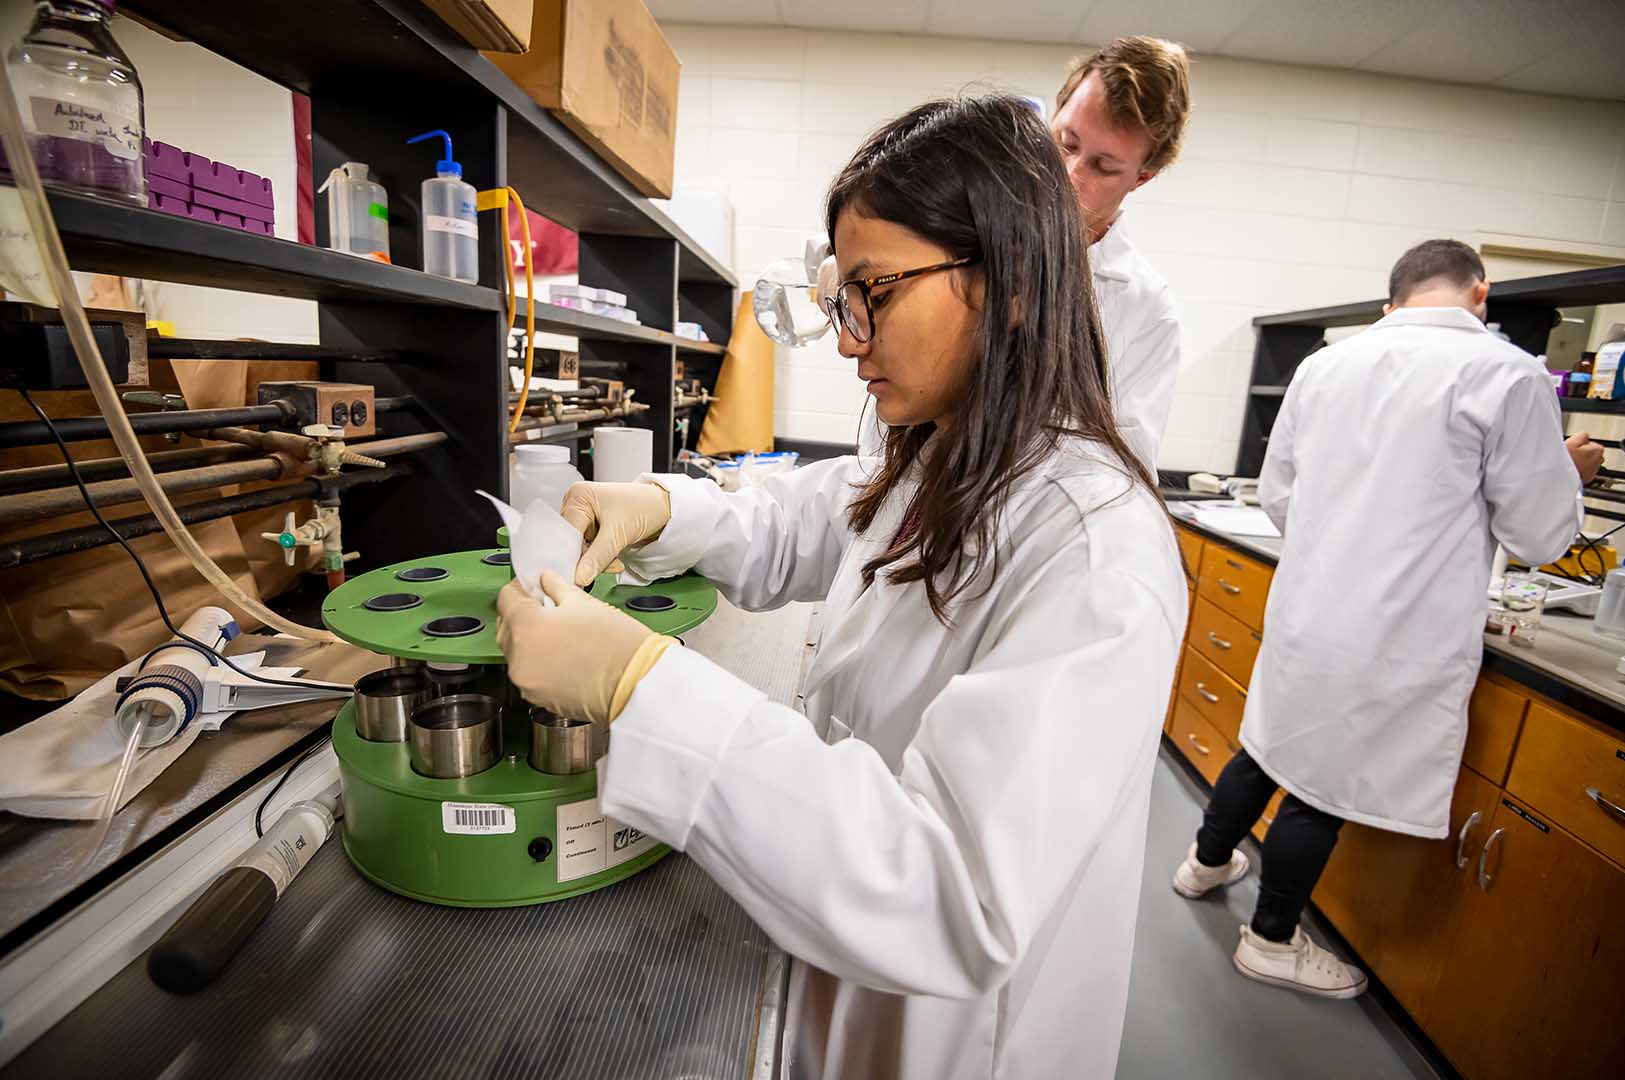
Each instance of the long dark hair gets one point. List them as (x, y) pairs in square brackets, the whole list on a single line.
[(981, 178)]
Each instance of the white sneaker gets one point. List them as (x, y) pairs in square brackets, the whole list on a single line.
[(1299, 964), (1193, 880)]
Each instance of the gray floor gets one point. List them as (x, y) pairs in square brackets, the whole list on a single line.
[(1191, 1015)]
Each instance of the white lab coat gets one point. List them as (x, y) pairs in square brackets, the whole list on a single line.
[(1400, 458), (951, 849), (1141, 329)]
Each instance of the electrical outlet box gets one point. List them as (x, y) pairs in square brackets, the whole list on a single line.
[(35, 351), (348, 406)]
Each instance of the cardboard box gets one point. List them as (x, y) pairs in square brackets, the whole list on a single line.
[(606, 70), (499, 25)]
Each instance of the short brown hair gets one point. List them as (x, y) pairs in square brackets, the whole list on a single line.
[(1148, 85), (1451, 260)]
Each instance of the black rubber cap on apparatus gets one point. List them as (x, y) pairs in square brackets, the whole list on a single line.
[(202, 942)]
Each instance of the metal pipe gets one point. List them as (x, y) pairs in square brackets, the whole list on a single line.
[(40, 477), (178, 421), (401, 444), (34, 505), (78, 428), (68, 541)]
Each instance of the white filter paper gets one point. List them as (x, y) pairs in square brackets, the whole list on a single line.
[(539, 539)]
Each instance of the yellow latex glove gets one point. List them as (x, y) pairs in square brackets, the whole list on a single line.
[(579, 659), (612, 518)]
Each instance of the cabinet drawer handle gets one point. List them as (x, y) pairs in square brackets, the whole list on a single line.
[(1484, 876), (1207, 695), (1612, 809), (1461, 839), (1233, 590), (1200, 749), (1217, 640)]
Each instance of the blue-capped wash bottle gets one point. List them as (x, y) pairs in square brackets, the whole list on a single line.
[(451, 226)]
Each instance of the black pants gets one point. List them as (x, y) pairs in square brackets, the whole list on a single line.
[(1296, 848)]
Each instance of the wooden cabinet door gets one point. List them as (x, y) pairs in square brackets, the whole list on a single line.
[(1535, 981), (1395, 897)]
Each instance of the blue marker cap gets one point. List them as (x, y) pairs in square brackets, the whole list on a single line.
[(445, 164)]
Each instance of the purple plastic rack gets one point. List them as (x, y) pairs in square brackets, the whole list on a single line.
[(190, 185)]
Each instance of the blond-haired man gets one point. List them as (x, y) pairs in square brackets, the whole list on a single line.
[(1119, 119)]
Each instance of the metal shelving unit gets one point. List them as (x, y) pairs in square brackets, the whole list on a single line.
[(376, 73), (1526, 310)]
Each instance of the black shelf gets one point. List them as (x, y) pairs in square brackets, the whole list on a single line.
[(1578, 288), (1526, 310), (112, 238), (365, 50), (1592, 405), (563, 320)]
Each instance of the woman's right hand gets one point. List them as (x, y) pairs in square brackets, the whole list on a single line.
[(612, 518)]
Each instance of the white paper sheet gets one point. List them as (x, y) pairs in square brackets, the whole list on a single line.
[(1236, 520), (539, 539)]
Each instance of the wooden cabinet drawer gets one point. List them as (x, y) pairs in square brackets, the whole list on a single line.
[(1211, 692), (1225, 640), (1237, 584), (1573, 773), (1494, 715), (1190, 548), (1198, 741)]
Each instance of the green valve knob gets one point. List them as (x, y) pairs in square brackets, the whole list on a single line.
[(288, 540)]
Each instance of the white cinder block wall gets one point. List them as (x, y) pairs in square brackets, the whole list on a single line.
[(208, 105), (1298, 186)]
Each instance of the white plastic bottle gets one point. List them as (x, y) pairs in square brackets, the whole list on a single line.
[(357, 212), (540, 472), (451, 228)]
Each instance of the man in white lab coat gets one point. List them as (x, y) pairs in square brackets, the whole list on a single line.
[(1400, 458), (1119, 120)]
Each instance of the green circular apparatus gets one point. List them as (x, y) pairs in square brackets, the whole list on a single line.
[(510, 834)]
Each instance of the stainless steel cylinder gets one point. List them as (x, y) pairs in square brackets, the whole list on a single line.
[(559, 746), (454, 736), (384, 701)]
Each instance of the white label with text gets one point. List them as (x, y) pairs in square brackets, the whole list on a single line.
[(476, 819), (440, 223)]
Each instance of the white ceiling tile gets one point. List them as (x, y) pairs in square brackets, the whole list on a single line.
[(1332, 33), (1474, 41), (1032, 20), (890, 17), (1566, 47), (1201, 27)]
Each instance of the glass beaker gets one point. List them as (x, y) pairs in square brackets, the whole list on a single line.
[(1523, 599)]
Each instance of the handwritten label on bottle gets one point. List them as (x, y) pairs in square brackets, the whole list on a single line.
[(117, 129), (439, 223)]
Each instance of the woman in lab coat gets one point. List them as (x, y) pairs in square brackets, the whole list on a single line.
[(951, 849)]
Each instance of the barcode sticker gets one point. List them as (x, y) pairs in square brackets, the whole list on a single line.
[(476, 819)]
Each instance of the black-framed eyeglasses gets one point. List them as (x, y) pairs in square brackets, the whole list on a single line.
[(853, 306)]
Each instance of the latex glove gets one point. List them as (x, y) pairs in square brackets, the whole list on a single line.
[(1587, 455), (612, 518), (570, 658)]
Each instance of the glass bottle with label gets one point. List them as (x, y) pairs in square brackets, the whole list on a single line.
[(451, 228), (80, 100)]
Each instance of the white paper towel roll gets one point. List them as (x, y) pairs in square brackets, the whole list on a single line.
[(621, 454)]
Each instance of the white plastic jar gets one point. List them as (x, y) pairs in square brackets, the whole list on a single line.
[(540, 472)]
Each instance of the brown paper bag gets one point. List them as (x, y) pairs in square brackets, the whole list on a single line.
[(742, 417), (66, 621)]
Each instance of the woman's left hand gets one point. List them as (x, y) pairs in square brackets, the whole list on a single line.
[(569, 658)]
